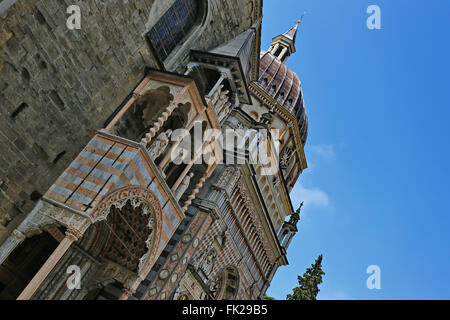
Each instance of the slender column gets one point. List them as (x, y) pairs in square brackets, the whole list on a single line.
[(248, 224), (286, 239), (289, 241), (283, 53), (163, 118), (255, 240), (199, 186), (189, 70), (186, 170), (266, 265), (167, 157), (223, 76), (222, 102), (127, 292), (281, 235), (49, 265), (234, 199), (158, 124), (275, 48), (260, 252), (13, 241), (240, 208), (256, 251), (252, 237)]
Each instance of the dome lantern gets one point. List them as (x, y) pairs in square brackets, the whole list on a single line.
[(280, 82)]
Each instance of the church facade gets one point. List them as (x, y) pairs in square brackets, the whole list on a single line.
[(148, 155)]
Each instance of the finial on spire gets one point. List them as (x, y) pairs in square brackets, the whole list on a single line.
[(301, 206), (301, 19), (295, 217), (283, 46)]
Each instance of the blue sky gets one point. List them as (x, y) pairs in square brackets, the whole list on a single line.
[(377, 190)]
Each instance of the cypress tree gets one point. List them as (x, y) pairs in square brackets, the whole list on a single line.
[(308, 288)]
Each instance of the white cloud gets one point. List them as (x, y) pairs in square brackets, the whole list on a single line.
[(324, 151), (316, 197)]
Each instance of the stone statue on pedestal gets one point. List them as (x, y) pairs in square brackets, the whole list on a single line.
[(160, 145), (183, 186)]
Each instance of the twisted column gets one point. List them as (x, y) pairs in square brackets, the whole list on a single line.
[(198, 187), (163, 118), (191, 164), (167, 157), (158, 124)]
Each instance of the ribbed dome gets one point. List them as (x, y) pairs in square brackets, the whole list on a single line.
[(282, 84)]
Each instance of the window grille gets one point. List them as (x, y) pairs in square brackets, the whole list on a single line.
[(173, 26)]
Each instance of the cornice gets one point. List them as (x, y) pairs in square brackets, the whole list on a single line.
[(284, 114)]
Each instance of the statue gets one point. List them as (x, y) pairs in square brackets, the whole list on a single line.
[(284, 160), (183, 186), (216, 95), (295, 217), (197, 262), (160, 145), (208, 263)]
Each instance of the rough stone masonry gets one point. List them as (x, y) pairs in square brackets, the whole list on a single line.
[(59, 86)]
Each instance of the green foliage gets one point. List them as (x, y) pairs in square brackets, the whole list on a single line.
[(308, 288), (268, 298)]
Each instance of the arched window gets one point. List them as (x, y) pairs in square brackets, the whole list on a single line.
[(173, 26), (290, 102), (227, 284)]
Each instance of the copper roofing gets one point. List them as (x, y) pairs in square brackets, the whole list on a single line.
[(282, 84)]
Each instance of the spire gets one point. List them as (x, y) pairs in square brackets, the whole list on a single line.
[(292, 32), (283, 46), (295, 217)]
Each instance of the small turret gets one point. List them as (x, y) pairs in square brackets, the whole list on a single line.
[(283, 46), (289, 229)]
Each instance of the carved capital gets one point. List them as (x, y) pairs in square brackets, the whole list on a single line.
[(128, 291), (73, 234), (18, 235)]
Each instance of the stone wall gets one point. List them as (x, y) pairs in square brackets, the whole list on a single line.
[(224, 21), (59, 86)]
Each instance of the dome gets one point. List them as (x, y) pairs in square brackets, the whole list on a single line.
[(282, 84)]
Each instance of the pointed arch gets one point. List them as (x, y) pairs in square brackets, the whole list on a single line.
[(145, 205)]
